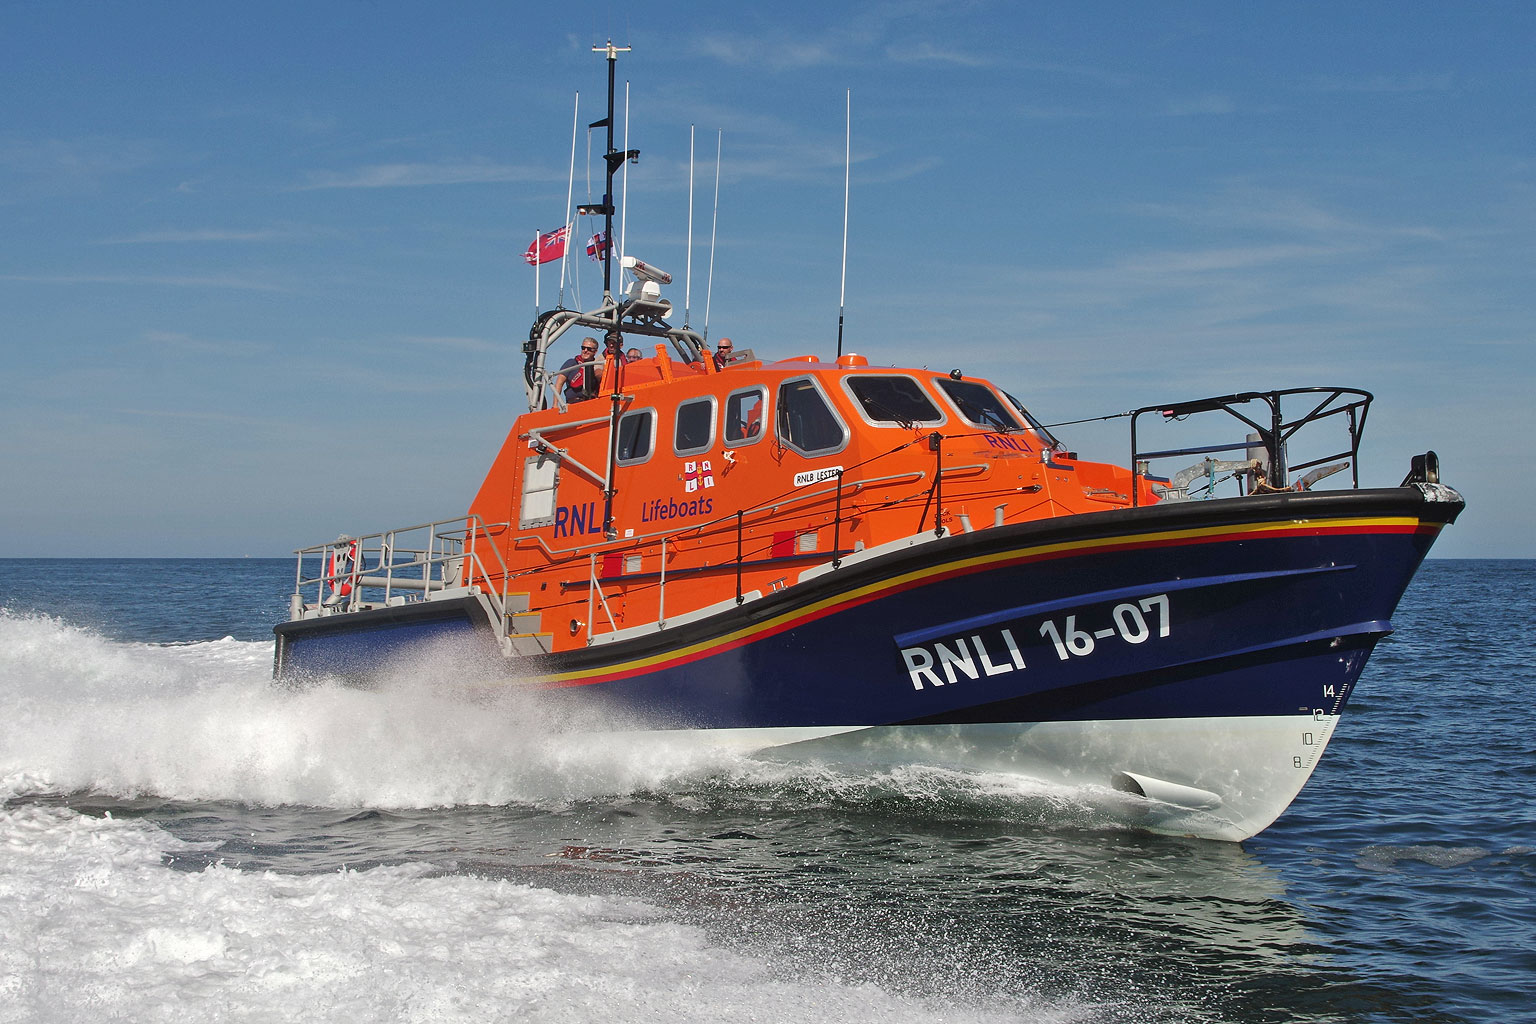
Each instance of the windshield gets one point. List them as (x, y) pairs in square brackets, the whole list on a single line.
[(979, 404), (893, 399)]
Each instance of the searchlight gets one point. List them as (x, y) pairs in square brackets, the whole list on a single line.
[(644, 271)]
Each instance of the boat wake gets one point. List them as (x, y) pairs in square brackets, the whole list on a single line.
[(201, 722), (112, 727), (120, 935)]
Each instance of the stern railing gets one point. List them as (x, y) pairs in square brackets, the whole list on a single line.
[(425, 562)]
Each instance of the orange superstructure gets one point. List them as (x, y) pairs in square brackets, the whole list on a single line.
[(680, 485)]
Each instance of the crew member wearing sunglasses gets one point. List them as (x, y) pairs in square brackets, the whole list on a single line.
[(723, 353), (578, 376)]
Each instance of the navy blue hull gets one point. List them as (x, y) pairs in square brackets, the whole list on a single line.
[(1248, 607), (358, 646), (1239, 641)]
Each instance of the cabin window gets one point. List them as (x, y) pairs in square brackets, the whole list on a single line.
[(744, 416), (807, 422), (979, 404), (541, 480), (695, 430), (893, 400), (637, 436)]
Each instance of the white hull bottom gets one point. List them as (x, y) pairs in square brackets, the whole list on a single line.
[(1212, 778)]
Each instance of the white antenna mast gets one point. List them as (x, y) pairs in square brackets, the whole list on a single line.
[(570, 185), (842, 296), (624, 209), (688, 276), (709, 285)]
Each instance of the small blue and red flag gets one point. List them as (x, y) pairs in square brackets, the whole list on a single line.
[(597, 246)]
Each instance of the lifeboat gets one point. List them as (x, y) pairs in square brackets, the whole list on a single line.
[(827, 559)]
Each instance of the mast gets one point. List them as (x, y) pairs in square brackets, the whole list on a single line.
[(640, 313), (614, 160), (614, 338)]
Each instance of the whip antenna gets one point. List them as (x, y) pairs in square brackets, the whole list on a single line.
[(709, 285), (688, 273), (842, 295), (623, 210), (570, 185)]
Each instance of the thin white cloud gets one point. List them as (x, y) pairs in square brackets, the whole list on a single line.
[(206, 235), (784, 53), (853, 40), (1245, 206), (1040, 112), (86, 158), (178, 342), (1200, 106), (412, 175), (168, 280), (459, 343), (1385, 83), (31, 168), (929, 53), (187, 414), (1216, 260)]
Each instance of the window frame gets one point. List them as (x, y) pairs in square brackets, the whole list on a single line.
[(1019, 425), (651, 452), (842, 423), (761, 390), (536, 461), (858, 404), (714, 412)]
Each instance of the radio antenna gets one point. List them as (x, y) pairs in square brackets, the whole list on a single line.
[(714, 222), (570, 187), (842, 295), (688, 274), (623, 210)]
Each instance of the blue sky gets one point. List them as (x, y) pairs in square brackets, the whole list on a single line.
[(260, 275)]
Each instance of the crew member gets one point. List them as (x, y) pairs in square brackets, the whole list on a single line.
[(577, 375), (723, 352)]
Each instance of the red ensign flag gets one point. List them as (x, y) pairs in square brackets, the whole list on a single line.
[(549, 247)]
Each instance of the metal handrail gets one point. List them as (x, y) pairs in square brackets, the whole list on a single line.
[(1272, 436), (449, 545)]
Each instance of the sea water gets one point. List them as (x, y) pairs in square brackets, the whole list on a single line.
[(181, 840)]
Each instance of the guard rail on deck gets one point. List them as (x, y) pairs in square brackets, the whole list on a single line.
[(417, 563), (1265, 463)]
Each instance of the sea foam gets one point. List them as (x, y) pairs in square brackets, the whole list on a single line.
[(204, 722), (98, 927)]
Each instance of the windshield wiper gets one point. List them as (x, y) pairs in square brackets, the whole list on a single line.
[(874, 404)]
